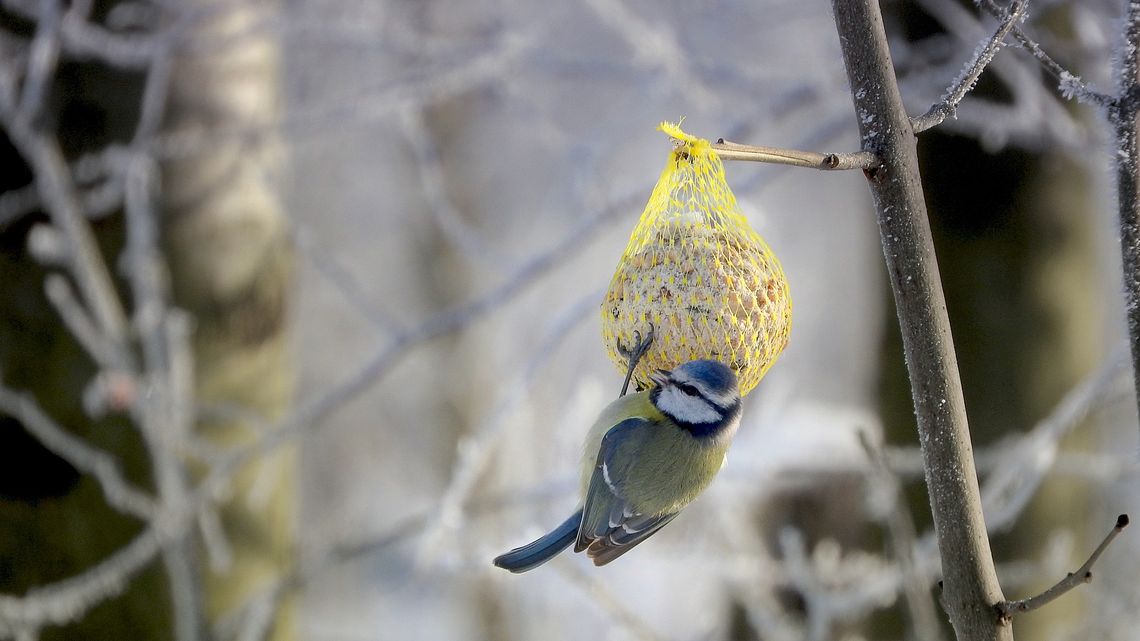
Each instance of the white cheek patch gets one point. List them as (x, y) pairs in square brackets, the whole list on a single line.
[(685, 408)]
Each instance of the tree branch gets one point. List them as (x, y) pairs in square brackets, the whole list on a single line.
[(914, 586), (794, 157), (970, 580), (1122, 115), (53, 180), (1075, 87), (1007, 609), (119, 492), (965, 81)]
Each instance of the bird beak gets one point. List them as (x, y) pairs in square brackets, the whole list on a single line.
[(660, 377)]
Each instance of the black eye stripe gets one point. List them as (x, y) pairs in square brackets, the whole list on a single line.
[(688, 389)]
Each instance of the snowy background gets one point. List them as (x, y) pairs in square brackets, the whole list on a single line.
[(461, 146), (459, 179)]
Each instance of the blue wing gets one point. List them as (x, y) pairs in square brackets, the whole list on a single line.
[(611, 526)]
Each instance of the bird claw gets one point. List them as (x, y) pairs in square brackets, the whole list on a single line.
[(634, 354)]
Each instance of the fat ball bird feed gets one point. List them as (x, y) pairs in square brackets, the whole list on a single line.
[(696, 270)]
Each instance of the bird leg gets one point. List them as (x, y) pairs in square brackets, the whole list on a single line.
[(634, 354)]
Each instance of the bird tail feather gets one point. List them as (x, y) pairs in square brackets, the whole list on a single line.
[(535, 554)]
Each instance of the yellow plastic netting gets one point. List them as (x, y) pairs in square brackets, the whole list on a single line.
[(696, 270)]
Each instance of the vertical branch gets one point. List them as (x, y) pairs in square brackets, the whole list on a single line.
[(1123, 113), (970, 581), (162, 415)]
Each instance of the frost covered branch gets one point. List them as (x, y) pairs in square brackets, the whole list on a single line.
[(119, 492), (982, 57), (69, 600), (1021, 466), (922, 617), (474, 453), (1071, 85), (1122, 116)]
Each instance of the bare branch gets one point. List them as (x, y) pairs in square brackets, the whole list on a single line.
[(1076, 88), (652, 44), (309, 415), (214, 539), (601, 595), (377, 104), (1007, 609), (120, 493), (102, 351), (53, 180), (1022, 465), (343, 281), (1122, 115), (835, 589), (475, 451), (794, 157), (164, 415), (301, 574), (68, 600), (41, 62), (967, 563), (969, 75), (98, 189), (900, 526), (433, 184)]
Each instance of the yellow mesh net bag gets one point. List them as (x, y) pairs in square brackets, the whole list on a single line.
[(696, 270)]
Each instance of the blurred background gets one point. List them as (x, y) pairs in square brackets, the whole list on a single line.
[(299, 319)]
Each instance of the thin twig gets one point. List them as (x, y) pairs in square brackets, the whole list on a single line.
[(310, 415), (163, 415), (900, 526), (965, 82), (1007, 609), (654, 43), (42, 152), (341, 280), (119, 492), (53, 180), (219, 552), (1024, 463), (834, 589), (1076, 87), (105, 353), (69, 599), (97, 201), (476, 450), (794, 157), (601, 595), (433, 185), (41, 61), (377, 104), (406, 529)]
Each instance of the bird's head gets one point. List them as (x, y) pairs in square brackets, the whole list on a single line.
[(702, 396)]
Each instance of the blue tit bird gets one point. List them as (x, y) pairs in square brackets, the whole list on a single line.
[(647, 456)]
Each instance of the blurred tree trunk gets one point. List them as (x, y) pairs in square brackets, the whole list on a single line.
[(224, 235), (1014, 233)]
